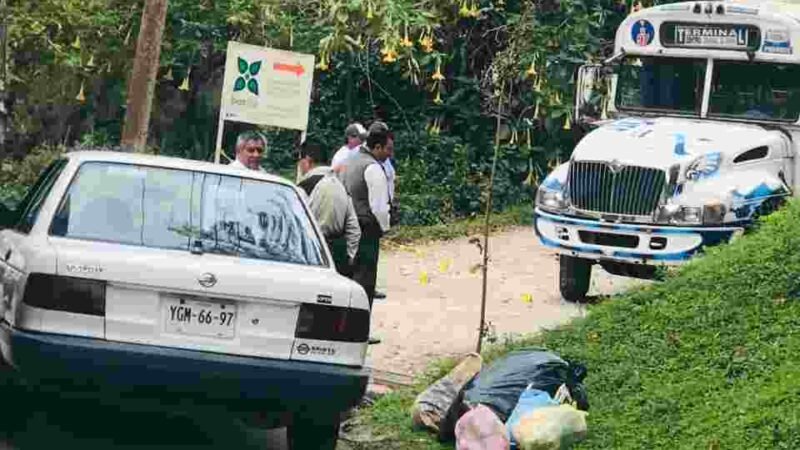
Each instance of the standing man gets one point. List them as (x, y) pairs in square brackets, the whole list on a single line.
[(354, 136), (331, 205), (250, 148), (365, 181)]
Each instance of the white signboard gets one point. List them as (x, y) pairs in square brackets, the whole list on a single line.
[(265, 86)]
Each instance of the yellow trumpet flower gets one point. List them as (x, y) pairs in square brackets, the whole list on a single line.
[(568, 123), (169, 76), (77, 43), (437, 76), (438, 100), (406, 42), (426, 42), (464, 11), (531, 72), (91, 62), (185, 85), (322, 64), (474, 12), (390, 57), (81, 97)]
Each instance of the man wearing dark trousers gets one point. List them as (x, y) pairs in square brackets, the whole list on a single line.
[(365, 181), (331, 206)]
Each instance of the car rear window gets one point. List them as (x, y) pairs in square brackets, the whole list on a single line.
[(183, 210)]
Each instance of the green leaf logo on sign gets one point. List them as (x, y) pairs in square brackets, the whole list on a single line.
[(247, 76)]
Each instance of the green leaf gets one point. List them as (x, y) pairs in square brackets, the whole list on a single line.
[(239, 85), (252, 86), (242, 66), (255, 68)]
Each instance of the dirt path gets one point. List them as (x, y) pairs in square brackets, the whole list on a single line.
[(432, 307)]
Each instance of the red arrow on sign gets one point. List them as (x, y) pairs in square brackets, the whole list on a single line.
[(296, 68)]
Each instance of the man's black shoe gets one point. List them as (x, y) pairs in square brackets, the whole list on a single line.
[(380, 295), (373, 341)]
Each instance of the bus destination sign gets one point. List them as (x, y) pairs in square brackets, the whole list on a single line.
[(718, 36)]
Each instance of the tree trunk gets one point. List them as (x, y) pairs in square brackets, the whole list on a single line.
[(143, 77)]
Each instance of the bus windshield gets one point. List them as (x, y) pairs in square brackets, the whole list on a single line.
[(661, 84), (760, 91)]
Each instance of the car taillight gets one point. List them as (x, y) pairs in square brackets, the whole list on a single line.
[(331, 323), (76, 295)]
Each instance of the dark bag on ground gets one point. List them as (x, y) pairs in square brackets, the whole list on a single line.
[(500, 385)]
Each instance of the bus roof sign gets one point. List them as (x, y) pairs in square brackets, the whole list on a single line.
[(707, 35)]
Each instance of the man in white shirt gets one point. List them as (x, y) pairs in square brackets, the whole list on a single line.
[(355, 134), (250, 148), (365, 181), (331, 205)]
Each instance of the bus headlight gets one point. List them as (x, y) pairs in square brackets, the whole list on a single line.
[(552, 200)]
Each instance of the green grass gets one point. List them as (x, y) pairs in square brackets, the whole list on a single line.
[(514, 216), (708, 359)]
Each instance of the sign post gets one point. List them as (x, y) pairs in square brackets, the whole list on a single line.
[(265, 86)]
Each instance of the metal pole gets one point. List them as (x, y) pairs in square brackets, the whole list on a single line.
[(142, 82), (4, 116), (485, 265), (5, 44), (220, 130)]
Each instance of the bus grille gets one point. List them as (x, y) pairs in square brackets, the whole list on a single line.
[(628, 190)]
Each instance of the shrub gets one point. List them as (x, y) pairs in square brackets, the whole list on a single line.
[(16, 175)]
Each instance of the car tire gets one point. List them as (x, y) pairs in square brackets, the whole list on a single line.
[(574, 276), (318, 433)]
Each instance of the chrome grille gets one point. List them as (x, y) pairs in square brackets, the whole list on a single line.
[(629, 190)]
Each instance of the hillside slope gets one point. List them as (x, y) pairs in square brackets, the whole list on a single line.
[(708, 359)]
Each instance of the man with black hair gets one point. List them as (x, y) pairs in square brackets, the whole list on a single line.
[(365, 181), (331, 205)]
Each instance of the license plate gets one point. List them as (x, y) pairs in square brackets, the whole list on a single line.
[(200, 318)]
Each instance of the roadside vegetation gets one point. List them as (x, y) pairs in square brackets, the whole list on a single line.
[(706, 359), (431, 69)]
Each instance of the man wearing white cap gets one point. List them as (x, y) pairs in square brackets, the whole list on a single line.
[(355, 134)]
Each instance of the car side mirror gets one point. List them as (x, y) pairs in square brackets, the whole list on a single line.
[(595, 87)]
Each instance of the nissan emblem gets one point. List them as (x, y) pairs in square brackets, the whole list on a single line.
[(207, 280)]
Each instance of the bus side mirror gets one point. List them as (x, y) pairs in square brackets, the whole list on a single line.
[(595, 87)]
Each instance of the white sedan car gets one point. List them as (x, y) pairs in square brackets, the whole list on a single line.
[(183, 282)]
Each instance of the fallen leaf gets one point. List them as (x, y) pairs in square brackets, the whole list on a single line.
[(423, 278), (527, 298)]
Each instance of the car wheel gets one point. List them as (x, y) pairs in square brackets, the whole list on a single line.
[(318, 433), (574, 276)]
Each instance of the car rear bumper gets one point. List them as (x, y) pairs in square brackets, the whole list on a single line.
[(182, 377), (630, 243)]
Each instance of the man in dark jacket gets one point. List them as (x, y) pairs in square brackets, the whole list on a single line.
[(365, 181)]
